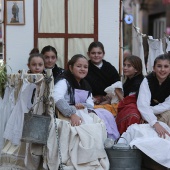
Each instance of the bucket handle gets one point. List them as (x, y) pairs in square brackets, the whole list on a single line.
[(115, 142)]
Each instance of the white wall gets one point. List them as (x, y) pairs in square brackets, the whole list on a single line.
[(109, 29), (19, 39)]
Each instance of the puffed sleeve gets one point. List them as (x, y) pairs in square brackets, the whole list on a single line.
[(162, 107), (60, 90), (59, 94)]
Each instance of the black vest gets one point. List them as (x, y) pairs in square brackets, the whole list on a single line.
[(158, 92)]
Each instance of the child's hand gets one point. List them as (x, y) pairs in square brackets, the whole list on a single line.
[(79, 106), (75, 120), (160, 130), (96, 101)]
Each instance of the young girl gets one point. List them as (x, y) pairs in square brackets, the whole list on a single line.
[(64, 89), (50, 59), (127, 110), (154, 95), (101, 73), (72, 92), (36, 66), (29, 97), (36, 63)]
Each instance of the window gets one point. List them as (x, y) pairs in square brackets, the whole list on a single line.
[(159, 27)]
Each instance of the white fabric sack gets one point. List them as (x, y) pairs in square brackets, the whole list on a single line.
[(111, 91), (84, 115), (81, 147)]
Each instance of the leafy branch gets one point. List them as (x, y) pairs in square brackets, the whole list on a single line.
[(3, 78)]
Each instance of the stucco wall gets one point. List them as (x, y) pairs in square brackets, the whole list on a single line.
[(19, 39), (109, 29)]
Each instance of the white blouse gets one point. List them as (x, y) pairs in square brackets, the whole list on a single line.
[(61, 92), (143, 103)]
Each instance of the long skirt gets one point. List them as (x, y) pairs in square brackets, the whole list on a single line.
[(128, 113)]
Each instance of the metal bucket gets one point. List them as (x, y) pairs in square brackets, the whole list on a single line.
[(36, 128), (149, 163), (122, 157)]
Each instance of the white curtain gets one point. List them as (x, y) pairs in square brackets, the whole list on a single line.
[(52, 19), (78, 46), (81, 16)]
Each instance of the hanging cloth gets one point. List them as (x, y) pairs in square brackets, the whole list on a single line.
[(168, 44), (36, 99), (13, 131), (6, 108), (8, 103), (137, 48), (155, 49)]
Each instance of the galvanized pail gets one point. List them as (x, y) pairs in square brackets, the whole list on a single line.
[(36, 128), (122, 157)]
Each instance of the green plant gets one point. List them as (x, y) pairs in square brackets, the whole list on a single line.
[(3, 78)]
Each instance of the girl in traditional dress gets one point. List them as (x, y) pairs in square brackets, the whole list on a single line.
[(127, 109), (72, 92), (101, 75), (67, 87), (154, 95)]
